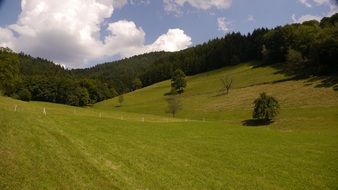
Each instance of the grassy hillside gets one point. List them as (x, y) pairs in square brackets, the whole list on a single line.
[(138, 146), (203, 100)]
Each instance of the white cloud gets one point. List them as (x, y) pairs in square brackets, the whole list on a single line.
[(136, 2), (223, 24), (128, 40), (308, 3), (175, 5), (125, 39), (331, 4), (333, 9), (304, 18), (251, 18), (68, 32), (305, 2), (119, 3), (172, 6), (122, 3), (321, 2), (171, 41), (6, 37)]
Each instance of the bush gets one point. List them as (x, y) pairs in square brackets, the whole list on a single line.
[(265, 107), (24, 95)]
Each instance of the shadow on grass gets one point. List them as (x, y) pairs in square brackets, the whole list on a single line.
[(168, 94), (326, 82), (220, 93), (256, 122), (322, 81)]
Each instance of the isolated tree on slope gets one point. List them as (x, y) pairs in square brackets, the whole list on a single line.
[(121, 99), (174, 105), (178, 82), (265, 107), (226, 84)]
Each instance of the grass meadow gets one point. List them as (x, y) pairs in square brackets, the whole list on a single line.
[(139, 146)]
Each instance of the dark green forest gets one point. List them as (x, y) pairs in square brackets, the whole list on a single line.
[(310, 48)]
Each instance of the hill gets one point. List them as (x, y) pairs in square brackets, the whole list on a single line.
[(203, 100), (138, 146), (308, 49)]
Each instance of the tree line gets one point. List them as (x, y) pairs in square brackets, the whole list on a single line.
[(27, 78), (310, 48)]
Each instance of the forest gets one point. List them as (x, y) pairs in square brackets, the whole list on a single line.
[(310, 48)]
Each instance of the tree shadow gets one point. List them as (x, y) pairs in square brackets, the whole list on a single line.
[(256, 122), (328, 82), (168, 94), (322, 81), (220, 93)]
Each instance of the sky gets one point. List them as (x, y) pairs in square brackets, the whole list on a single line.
[(82, 33)]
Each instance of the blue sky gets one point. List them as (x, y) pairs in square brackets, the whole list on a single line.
[(202, 25), (127, 27)]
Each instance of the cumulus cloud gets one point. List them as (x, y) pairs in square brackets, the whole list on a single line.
[(127, 39), (175, 5), (304, 18), (171, 41), (68, 32), (6, 38), (333, 9), (223, 24)]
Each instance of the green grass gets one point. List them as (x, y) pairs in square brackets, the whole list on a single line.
[(75, 148)]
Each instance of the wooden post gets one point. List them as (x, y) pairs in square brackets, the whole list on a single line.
[(44, 111), (15, 107)]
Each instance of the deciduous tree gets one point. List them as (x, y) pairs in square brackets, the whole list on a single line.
[(226, 84), (174, 105), (178, 82), (265, 107)]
